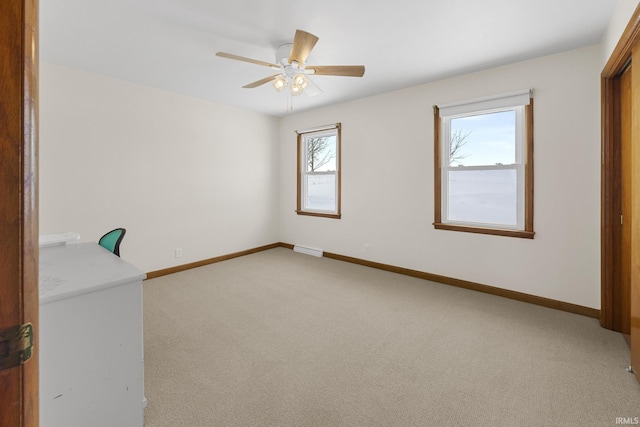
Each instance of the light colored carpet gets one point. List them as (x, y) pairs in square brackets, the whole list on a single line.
[(283, 339)]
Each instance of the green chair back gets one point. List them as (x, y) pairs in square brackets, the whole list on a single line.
[(111, 240)]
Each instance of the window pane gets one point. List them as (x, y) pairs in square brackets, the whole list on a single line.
[(486, 196), (321, 192), (485, 139), (321, 153)]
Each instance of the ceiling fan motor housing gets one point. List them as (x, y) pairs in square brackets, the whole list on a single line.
[(282, 54)]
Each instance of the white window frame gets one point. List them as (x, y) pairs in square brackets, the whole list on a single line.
[(522, 105), (303, 174)]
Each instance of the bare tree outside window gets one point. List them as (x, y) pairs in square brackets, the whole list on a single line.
[(459, 139), (320, 151)]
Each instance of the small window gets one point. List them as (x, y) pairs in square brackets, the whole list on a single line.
[(319, 172), (484, 166)]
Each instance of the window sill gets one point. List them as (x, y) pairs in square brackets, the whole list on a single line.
[(480, 230), (319, 214)]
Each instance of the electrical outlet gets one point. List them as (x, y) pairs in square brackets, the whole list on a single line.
[(367, 248), (178, 252)]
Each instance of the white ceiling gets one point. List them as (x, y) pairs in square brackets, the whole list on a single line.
[(171, 44)]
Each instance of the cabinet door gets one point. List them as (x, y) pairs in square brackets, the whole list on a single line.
[(91, 370)]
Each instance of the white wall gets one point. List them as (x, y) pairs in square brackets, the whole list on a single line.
[(387, 189), (175, 171), (180, 172)]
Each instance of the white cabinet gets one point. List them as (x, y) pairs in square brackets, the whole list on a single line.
[(91, 349)]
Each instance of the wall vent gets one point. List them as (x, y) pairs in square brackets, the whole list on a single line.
[(308, 251)]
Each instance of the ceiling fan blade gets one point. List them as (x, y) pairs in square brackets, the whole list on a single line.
[(303, 42), (337, 70), (249, 60), (312, 89), (260, 82)]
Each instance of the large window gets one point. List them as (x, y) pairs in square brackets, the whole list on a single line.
[(484, 165), (319, 172)]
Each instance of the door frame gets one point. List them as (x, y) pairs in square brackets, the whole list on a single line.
[(19, 300), (611, 311)]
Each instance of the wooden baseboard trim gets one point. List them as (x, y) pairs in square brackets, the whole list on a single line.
[(519, 296), (179, 268)]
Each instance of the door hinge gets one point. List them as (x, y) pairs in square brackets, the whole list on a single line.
[(16, 345)]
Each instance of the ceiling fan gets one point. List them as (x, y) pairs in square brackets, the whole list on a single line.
[(292, 68)]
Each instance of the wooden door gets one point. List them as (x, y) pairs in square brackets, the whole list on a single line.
[(624, 288), (18, 203), (634, 171)]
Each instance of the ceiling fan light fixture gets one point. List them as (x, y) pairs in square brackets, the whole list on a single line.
[(301, 80), (279, 83), (296, 89)]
